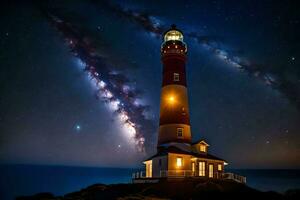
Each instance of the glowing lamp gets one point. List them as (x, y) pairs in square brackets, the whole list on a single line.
[(173, 35), (171, 99)]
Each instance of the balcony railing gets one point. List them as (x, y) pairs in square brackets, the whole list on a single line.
[(190, 173), (140, 174), (176, 173), (235, 177)]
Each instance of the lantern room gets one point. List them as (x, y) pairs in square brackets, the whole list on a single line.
[(173, 34), (173, 42)]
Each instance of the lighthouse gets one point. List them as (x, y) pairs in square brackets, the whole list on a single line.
[(174, 119), (177, 155)]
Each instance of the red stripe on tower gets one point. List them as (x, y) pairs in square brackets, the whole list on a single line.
[(174, 110)]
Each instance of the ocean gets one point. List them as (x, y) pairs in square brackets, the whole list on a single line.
[(16, 180)]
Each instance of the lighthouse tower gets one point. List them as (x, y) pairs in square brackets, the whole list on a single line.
[(174, 121), (176, 155)]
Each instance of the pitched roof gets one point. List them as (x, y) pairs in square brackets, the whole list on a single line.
[(173, 149), (200, 141)]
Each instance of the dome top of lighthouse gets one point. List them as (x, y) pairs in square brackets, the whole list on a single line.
[(173, 34)]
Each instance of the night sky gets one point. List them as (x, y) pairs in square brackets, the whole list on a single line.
[(80, 80)]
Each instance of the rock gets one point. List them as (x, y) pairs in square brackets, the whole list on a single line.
[(39, 196), (188, 189)]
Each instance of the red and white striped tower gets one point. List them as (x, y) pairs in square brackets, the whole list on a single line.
[(174, 122)]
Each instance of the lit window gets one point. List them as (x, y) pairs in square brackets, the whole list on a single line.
[(201, 168), (210, 171), (176, 76), (179, 161), (219, 167), (193, 167), (179, 132), (149, 169), (202, 148)]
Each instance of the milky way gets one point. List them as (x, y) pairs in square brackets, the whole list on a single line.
[(153, 25), (113, 87), (118, 92), (80, 80)]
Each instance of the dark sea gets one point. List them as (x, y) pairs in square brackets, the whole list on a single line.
[(16, 180)]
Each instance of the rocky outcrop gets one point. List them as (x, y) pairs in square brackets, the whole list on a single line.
[(189, 189)]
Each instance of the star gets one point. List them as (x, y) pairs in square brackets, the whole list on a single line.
[(267, 142), (293, 58), (119, 146), (78, 127), (287, 130)]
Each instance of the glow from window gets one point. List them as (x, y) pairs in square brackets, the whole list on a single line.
[(201, 168), (211, 171), (202, 148), (193, 167), (179, 162), (219, 167)]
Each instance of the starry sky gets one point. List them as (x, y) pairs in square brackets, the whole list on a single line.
[(80, 80)]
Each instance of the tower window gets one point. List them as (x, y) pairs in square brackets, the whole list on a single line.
[(180, 132), (176, 76)]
